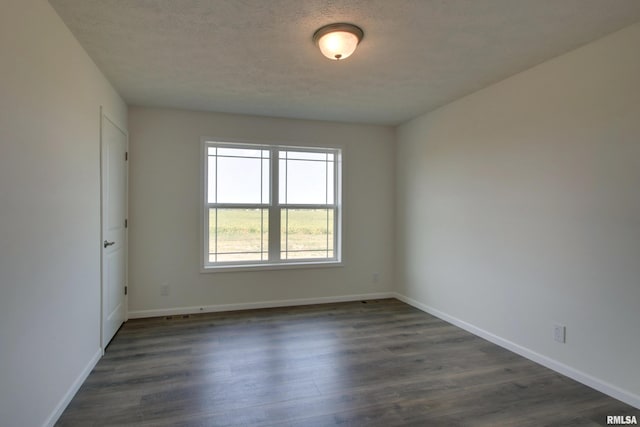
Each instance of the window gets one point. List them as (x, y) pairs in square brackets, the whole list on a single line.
[(270, 205)]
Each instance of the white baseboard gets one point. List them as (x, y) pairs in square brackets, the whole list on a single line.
[(582, 377), (57, 412), (253, 305)]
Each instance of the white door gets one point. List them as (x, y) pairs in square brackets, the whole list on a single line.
[(114, 236)]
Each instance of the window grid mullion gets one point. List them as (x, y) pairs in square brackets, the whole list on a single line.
[(274, 209), (326, 195), (296, 206), (286, 199), (215, 199), (216, 236)]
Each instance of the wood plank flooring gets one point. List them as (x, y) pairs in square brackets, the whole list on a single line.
[(372, 363)]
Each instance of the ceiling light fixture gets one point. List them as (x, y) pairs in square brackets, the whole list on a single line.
[(338, 41)]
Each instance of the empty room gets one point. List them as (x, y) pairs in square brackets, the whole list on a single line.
[(319, 213)]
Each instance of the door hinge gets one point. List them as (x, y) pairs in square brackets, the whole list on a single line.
[(126, 156), (126, 223), (125, 290)]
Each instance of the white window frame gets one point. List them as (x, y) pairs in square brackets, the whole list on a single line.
[(274, 208)]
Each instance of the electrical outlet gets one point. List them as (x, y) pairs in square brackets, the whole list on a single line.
[(375, 277), (559, 333), (164, 290)]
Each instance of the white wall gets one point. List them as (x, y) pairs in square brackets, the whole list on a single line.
[(519, 207), (165, 205), (50, 94)]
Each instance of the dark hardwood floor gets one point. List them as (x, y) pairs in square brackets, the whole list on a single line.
[(373, 363)]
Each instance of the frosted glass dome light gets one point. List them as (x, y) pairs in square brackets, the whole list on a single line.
[(338, 41)]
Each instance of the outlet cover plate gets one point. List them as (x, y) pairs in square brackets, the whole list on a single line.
[(560, 333)]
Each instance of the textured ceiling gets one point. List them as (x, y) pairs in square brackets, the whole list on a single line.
[(257, 56)]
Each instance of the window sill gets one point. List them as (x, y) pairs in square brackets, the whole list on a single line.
[(263, 267)]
